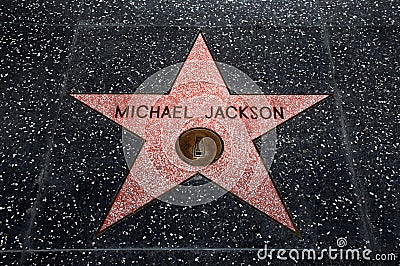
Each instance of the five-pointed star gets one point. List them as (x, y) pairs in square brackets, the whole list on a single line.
[(198, 87)]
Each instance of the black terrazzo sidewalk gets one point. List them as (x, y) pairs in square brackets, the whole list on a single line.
[(336, 165)]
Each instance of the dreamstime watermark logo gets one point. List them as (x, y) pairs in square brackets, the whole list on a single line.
[(331, 253)]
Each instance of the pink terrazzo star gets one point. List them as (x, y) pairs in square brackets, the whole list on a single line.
[(199, 98)]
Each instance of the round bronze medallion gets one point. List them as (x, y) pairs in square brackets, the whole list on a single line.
[(199, 146)]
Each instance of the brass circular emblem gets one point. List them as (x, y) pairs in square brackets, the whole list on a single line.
[(199, 146)]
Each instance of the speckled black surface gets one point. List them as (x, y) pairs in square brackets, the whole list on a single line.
[(336, 166)]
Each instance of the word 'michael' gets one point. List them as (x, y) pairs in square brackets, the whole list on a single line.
[(182, 112)]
